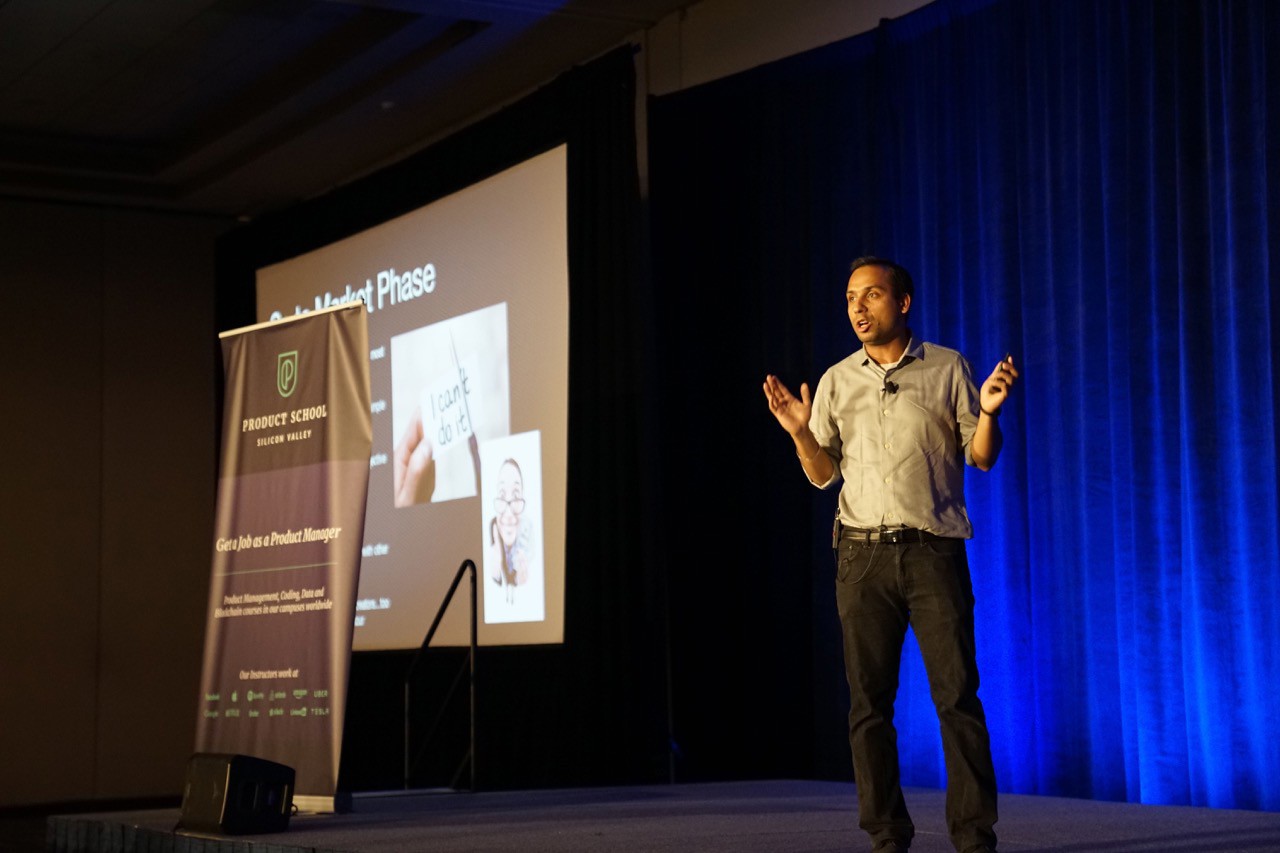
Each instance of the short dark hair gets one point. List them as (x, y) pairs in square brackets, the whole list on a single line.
[(902, 283)]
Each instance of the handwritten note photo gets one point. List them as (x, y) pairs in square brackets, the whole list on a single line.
[(450, 391)]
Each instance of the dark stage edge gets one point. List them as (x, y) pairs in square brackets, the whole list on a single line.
[(785, 816)]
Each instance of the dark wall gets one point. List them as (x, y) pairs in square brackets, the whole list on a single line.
[(108, 347)]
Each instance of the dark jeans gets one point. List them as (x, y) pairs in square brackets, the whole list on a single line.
[(882, 588)]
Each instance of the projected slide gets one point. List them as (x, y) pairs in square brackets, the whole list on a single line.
[(468, 301)]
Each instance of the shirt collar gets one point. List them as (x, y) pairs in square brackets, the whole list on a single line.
[(914, 350)]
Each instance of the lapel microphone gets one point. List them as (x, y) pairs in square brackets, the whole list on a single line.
[(890, 387)]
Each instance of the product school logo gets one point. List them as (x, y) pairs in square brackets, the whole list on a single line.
[(287, 373)]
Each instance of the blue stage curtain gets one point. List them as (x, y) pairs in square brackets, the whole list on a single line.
[(1094, 187)]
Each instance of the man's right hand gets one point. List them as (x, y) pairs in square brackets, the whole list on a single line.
[(791, 412)]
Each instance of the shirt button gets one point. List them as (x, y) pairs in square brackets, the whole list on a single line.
[(886, 411), (888, 446), (887, 479)]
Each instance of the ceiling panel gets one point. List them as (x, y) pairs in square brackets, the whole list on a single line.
[(241, 106)]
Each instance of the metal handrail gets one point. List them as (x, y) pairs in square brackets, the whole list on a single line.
[(471, 659)]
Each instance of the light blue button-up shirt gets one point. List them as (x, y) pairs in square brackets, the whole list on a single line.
[(900, 454)]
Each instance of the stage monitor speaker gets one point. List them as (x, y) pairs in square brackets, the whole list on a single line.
[(236, 795)]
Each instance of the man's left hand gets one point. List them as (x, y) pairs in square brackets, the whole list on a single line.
[(996, 389)]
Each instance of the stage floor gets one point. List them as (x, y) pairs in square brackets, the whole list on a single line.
[(779, 816)]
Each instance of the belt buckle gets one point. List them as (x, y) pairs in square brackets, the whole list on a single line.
[(891, 536)]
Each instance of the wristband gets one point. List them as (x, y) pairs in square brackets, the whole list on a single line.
[(994, 414)]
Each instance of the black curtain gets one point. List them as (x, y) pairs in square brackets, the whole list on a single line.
[(591, 711)]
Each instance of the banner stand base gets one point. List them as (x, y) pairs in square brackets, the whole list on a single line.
[(339, 803)]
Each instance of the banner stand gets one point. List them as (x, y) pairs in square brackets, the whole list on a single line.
[(296, 439)]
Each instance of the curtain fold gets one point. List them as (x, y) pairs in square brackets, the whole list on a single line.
[(1085, 184)]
